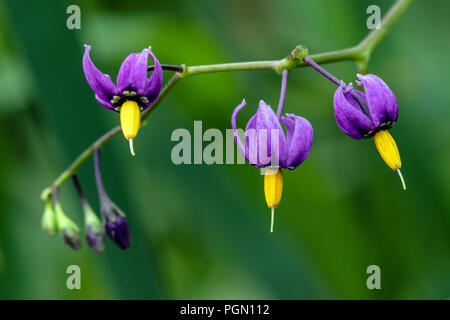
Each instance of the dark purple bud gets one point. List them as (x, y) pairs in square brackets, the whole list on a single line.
[(117, 228)]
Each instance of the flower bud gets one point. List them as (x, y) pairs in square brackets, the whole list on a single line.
[(95, 232), (115, 223), (68, 229), (48, 221)]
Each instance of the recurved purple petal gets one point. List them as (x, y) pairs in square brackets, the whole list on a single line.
[(381, 100), (154, 83), (233, 125), (101, 83), (349, 115), (299, 139), (124, 79)]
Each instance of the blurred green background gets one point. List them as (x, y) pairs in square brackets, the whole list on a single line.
[(199, 231)]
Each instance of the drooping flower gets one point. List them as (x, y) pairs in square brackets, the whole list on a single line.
[(268, 146), (113, 218), (133, 91), (369, 114)]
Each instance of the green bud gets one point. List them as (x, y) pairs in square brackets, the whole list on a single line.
[(68, 229), (48, 221)]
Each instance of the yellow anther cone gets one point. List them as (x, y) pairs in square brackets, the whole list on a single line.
[(388, 150), (130, 120), (273, 189)]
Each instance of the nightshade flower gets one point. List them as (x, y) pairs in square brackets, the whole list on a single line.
[(369, 114), (267, 146), (133, 92)]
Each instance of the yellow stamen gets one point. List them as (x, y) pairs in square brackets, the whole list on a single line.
[(130, 119), (273, 189), (388, 150)]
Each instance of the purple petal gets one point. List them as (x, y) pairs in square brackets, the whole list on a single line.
[(139, 72), (124, 76), (299, 138), (349, 116), (154, 83), (101, 83), (251, 142), (233, 125), (106, 104), (381, 100), (267, 120)]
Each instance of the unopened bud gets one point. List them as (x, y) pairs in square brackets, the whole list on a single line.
[(95, 232), (68, 229), (48, 221)]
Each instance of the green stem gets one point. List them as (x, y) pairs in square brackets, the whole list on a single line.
[(360, 54)]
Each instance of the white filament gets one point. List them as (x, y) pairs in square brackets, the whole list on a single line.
[(272, 220), (401, 178), (131, 147)]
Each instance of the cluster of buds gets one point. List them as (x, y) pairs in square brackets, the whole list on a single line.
[(112, 218)]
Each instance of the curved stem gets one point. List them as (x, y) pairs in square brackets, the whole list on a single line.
[(359, 53), (284, 81)]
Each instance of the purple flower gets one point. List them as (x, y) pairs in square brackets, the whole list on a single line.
[(266, 142), (133, 93), (132, 82), (374, 110)]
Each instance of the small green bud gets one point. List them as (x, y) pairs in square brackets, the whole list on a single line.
[(68, 229), (48, 222)]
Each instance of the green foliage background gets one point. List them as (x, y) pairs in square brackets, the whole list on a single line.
[(201, 231)]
